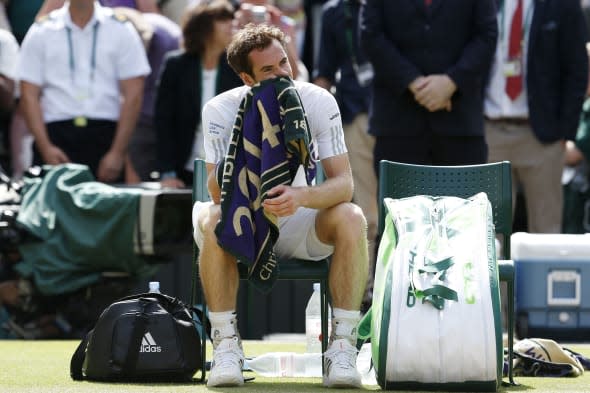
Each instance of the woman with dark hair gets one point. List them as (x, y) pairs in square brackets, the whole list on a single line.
[(190, 77)]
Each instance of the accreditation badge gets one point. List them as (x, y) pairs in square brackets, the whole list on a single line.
[(512, 67)]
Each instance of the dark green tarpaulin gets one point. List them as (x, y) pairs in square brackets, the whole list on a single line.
[(84, 228)]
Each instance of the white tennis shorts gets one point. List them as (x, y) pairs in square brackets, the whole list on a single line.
[(297, 238)]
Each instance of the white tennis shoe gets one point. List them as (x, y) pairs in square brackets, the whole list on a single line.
[(340, 365), (226, 367)]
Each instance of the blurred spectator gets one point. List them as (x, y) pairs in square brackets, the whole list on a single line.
[(140, 5), (189, 78), (82, 72), (430, 61), (576, 173), (576, 179), (313, 27), (534, 99), (160, 35), (262, 11), (341, 64), (8, 60), (175, 9), (294, 10), (22, 15), (4, 23)]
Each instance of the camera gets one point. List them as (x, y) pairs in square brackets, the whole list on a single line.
[(259, 14)]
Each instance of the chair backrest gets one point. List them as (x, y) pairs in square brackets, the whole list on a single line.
[(200, 192), (397, 180)]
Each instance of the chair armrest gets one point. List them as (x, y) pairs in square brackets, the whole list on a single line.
[(506, 269)]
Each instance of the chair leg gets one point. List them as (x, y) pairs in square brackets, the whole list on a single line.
[(510, 290), (325, 316), (197, 293)]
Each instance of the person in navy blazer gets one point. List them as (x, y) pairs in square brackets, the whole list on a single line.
[(430, 59), (207, 30), (530, 128)]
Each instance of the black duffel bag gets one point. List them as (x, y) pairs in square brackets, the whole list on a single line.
[(145, 337)]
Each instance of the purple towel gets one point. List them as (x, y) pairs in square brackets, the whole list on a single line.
[(269, 141)]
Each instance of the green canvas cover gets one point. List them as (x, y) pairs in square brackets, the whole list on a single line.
[(83, 227)]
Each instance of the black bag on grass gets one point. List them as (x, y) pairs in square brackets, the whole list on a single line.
[(145, 337)]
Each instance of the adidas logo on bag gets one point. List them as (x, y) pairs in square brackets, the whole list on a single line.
[(148, 344)]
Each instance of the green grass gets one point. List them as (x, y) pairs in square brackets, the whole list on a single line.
[(43, 367)]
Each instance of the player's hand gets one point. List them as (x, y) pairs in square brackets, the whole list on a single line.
[(282, 201)]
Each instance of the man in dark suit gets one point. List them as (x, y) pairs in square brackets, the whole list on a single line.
[(430, 59), (534, 98)]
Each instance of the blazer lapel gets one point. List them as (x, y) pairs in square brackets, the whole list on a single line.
[(194, 81)]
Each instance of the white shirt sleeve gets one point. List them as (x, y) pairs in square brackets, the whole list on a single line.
[(218, 119), (325, 122), (131, 60), (8, 54), (31, 59)]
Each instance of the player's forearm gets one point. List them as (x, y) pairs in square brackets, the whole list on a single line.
[(331, 192)]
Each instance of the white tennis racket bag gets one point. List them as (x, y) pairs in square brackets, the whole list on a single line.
[(435, 321)]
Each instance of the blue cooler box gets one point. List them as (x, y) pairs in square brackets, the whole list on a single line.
[(552, 285)]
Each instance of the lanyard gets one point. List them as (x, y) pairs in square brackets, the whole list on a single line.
[(525, 25), (71, 54)]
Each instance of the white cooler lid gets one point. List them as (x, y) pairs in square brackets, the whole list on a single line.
[(541, 246)]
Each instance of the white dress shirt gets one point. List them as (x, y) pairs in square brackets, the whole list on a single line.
[(79, 69), (497, 104)]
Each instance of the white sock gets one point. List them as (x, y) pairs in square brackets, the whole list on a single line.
[(223, 325), (344, 325)]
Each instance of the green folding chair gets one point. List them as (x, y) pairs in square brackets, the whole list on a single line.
[(289, 269), (397, 180)]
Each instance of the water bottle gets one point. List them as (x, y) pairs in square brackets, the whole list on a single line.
[(313, 321), (286, 364), (154, 287)]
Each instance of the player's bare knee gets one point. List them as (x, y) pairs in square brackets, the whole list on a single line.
[(208, 220), (351, 221)]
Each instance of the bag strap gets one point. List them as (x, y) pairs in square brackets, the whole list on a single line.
[(139, 326), (78, 359), (437, 293)]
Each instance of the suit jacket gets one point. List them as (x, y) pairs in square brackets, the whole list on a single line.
[(405, 39), (557, 69), (178, 106)]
